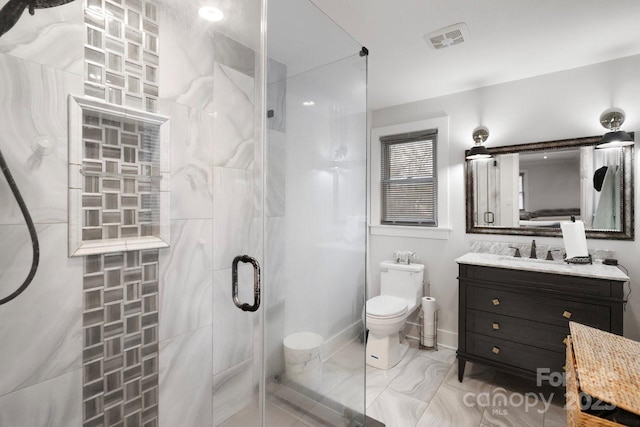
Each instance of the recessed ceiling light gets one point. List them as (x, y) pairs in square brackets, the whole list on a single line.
[(308, 103), (211, 13), (545, 156)]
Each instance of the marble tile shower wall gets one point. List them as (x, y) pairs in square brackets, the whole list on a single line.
[(205, 345), (41, 63)]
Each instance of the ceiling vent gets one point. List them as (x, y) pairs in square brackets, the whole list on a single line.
[(448, 36)]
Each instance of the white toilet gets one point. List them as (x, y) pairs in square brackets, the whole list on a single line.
[(386, 314)]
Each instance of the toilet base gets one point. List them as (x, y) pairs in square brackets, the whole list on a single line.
[(385, 352)]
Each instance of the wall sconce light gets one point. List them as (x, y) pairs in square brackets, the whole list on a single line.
[(612, 119), (479, 151)]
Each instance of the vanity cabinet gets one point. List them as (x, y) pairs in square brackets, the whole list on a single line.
[(517, 320)]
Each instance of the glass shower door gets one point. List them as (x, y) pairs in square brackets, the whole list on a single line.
[(314, 220)]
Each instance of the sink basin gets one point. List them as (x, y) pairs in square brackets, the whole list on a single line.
[(534, 260)]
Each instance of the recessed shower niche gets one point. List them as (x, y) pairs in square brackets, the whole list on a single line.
[(119, 176)]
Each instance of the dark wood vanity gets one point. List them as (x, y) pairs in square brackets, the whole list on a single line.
[(517, 320)]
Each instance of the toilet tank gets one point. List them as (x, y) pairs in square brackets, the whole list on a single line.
[(402, 280)]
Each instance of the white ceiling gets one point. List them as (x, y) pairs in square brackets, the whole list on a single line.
[(304, 38), (509, 40)]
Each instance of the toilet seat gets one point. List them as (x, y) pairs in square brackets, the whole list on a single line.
[(386, 306)]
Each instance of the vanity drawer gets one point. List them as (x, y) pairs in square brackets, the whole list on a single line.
[(579, 285), (540, 308), (514, 354), (542, 335)]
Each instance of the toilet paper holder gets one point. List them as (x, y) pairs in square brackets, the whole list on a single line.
[(435, 331)]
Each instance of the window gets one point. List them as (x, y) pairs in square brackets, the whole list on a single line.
[(408, 188), (438, 227)]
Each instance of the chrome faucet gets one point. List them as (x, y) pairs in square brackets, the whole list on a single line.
[(533, 250)]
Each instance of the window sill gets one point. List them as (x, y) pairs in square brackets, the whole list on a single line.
[(437, 233)]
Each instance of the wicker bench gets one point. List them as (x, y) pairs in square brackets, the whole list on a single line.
[(602, 378)]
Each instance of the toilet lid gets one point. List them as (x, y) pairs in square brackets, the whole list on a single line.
[(386, 306)]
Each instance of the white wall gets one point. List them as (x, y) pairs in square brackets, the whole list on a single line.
[(555, 106)]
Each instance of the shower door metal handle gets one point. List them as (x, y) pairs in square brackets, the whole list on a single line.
[(256, 283)]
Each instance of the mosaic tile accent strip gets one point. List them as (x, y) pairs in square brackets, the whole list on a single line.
[(120, 357), (121, 52), (121, 178), (119, 166), (120, 199)]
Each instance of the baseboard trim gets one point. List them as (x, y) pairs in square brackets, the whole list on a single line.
[(341, 339), (446, 339)]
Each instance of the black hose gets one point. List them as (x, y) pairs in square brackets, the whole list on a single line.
[(32, 231)]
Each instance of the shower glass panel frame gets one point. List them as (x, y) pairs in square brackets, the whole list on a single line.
[(314, 219)]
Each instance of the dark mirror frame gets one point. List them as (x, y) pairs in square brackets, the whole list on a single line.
[(627, 208)]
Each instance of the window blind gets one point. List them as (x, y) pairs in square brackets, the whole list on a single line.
[(409, 181)]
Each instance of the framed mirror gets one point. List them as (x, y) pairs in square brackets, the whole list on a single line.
[(529, 189)]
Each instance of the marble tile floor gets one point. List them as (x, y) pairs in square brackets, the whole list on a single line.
[(422, 390)]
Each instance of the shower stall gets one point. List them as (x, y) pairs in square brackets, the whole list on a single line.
[(196, 174)]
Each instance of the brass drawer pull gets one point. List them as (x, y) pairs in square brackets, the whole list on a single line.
[(564, 341), (496, 326), (496, 350), (496, 301), (567, 314), (564, 368)]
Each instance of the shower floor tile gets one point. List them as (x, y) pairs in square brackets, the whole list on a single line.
[(249, 416)]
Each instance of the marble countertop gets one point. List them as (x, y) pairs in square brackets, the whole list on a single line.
[(597, 270)]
